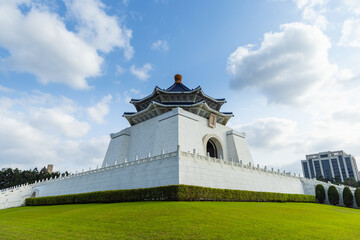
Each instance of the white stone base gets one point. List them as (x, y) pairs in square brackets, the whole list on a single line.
[(162, 170), (215, 173), (168, 169)]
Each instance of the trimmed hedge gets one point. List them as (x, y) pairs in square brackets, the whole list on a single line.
[(333, 195), (357, 197), (170, 193), (320, 193), (348, 197)]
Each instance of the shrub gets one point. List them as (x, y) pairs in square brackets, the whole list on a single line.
[(348, 197), (350, 182), (333, 195), (320, 193), (357, 197), (170, 193)]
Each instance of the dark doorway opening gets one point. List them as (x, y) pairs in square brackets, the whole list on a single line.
[(211, 149)]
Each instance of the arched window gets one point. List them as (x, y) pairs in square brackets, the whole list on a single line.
[(211, 149)]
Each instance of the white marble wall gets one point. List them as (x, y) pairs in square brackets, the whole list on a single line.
[(144, 173), (169, 169), (207, 172), (118, 148), (167, 131), (15, 197), (151, 136), (194, 133), (155, 171), (238, 150)]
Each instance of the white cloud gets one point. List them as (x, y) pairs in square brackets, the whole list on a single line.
[(44, 112), (270, 133), (141, 73), (128, 95), (350, 33), (100, 30), (350, 115), (127, 99), (120, 69), (160, 45), (292, 66), (309, 3), (55, 119), (100, 110), (330, 122), (26, 147), (136, 16), (313, 11), (311, 16), (37, 129), (287, 67), (39, 42), (135, 91), (5, 89), (345, 74), (82, 154), (126, 2), (353, 6), (20, 142)]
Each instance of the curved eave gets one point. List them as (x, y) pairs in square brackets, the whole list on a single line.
[(198, 89), (159, 90), (152, 95), (182, 92), (141, 104), (155, 109)]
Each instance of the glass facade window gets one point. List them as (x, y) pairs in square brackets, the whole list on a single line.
[(330, 165), (336, 169), (326, 169), (342, 166), (349, 167), (317, 168), (306, 170), (311, 169)]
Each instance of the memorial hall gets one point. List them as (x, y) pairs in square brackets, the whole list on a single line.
[(177, 135)]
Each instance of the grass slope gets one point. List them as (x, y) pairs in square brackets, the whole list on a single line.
[(181, 220)]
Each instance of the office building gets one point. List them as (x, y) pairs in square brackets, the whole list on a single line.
[(330, 165)]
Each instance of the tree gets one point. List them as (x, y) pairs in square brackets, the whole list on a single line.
[(350, 182), (320, 193), (336, 180), (333, 195), (348, 197), (14, 177), (320, 178), (357, 197)]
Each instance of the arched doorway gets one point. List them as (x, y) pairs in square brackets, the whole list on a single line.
[(33, 194), (211, 149), (213, 146)]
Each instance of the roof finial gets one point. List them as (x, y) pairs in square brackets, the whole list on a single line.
[(178, 78)]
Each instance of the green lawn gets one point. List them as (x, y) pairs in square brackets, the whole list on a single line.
[(181, 220)]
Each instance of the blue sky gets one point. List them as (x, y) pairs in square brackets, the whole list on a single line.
[(68, 69)]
